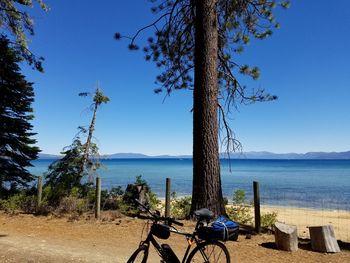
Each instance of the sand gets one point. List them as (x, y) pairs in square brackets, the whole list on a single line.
[(302, 218), (28, 238)]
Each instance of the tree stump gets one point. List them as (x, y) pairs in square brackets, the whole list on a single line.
[(134, 191), (286, 237), (323, 239)]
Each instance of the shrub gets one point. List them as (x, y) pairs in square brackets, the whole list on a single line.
[(19, 202), (72, 204), (111, 199), (240, 211), (154, 202), (180, 207), (268, 219), (13, 204)]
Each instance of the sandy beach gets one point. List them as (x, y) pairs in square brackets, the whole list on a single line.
[(302, 218)]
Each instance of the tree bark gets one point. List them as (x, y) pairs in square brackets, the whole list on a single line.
[(206, 190)]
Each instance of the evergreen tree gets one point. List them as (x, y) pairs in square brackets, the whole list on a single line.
[(98, 99), (79, 159), (17, 148), (64, 174), (195, 44)]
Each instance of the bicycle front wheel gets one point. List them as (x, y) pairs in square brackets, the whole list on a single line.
[(209, 252), (140, 255)]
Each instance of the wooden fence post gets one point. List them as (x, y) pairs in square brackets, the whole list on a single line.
[(257, 207), (167, 198), (98, 198), (40, 190)]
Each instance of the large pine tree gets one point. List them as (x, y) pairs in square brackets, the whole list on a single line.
[(17, 148), (196, 45)]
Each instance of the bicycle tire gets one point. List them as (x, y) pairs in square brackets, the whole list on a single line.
[(209, 252), (137, 256)]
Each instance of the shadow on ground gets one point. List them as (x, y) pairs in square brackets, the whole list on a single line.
[(305, 244)]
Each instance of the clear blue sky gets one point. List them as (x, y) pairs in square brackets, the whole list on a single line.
[(305, 63)]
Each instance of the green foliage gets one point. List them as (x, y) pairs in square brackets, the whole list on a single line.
[(12, 204), (19, 202), (99, 98), (16, 21), (180, 207), (63, 175), (172, 47), (112, 199), (140, 181), (268, 219), (240, 211), (17, 148), (239, 197), (154, 202)]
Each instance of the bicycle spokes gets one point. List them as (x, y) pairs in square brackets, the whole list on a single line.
[(211, 253)]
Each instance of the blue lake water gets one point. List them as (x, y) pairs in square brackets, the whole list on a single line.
[(317, 184)]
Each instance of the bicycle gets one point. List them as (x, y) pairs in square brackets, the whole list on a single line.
[(205, 250)]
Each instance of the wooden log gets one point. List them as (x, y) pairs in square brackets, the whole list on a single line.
[(286, 237), (323, 239)]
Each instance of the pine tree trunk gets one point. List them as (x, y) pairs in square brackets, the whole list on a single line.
[(88, 141), (206, 190)]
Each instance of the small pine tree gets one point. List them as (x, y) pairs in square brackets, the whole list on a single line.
[(78, 159), (17, 148), (64, 174)]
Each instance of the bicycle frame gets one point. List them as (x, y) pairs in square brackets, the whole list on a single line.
[(191, 239)]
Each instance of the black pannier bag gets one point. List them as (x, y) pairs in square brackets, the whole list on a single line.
[(222, 229), (161, 231)]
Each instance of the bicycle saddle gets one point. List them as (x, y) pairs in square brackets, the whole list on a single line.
[(204, 213)]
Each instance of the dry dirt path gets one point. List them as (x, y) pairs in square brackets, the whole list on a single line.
[(26, 238)]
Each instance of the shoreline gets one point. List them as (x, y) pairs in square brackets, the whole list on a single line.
[(270, 206), (306, 217)]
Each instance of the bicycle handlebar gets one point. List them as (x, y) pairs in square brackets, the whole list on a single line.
[(157, 217)]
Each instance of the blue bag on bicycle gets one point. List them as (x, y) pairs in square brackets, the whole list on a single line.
[(222, 229)]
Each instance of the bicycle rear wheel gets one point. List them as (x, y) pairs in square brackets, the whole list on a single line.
[(140, 255), (209, 252)]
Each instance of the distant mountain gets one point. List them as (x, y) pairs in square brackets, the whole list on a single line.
[(245, 155), (48, 156), (331, 155), (290, 156), (124, 156), (141, 156)]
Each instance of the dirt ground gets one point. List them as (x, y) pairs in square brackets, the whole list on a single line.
[(28, 238)]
